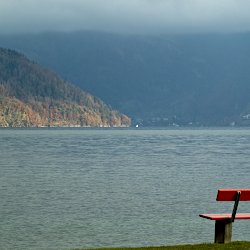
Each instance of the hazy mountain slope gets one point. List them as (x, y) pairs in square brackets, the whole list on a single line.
[(33, 96), (198, 79)]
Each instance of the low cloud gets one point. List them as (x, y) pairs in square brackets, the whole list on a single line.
[(125, 16)]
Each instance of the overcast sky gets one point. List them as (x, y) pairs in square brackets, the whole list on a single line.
[(133, 16)]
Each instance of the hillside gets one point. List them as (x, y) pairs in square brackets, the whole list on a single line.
[(199, 80), (32, 96)]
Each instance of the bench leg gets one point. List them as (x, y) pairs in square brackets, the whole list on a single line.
[(223, 231)]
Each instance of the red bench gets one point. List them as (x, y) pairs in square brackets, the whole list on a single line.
[(223, 222)]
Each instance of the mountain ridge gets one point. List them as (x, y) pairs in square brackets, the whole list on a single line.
[(33, 96), (199, 80)]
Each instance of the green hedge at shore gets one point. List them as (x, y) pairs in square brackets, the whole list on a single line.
[(238, 245)]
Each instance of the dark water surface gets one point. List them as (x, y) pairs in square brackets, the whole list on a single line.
[(69, 188)]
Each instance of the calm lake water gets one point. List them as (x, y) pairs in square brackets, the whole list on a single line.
[(89, 188)]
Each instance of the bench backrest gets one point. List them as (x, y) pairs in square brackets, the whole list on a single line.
[(235, 195), (231, 194)]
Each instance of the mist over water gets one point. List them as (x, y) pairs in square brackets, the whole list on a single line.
[(88, 188)]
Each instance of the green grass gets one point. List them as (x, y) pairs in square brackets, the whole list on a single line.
[(238, 245)]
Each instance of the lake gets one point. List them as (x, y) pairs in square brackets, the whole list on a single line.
[(89, 188)]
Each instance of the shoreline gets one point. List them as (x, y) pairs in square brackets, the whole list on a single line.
[(235, 245)]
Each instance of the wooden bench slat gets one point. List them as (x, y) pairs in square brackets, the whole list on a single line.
[(239, 216), (230, 194)]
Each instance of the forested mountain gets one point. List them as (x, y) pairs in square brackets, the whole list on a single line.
[(34, 96), (157, 80)]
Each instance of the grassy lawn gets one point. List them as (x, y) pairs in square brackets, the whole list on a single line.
[(239, 245)]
